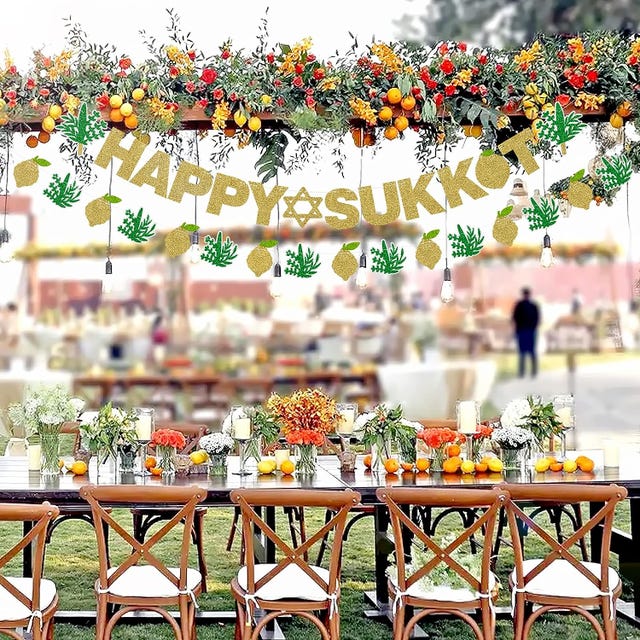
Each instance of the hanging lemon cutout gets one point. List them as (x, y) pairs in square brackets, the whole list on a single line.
[(428, 253), (178, 241), (345, 263), (259, 259), (505, 229)]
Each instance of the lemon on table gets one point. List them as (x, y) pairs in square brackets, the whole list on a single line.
[(542, 465), (199, 457), (495, 465), (265, 467), (467, 466)]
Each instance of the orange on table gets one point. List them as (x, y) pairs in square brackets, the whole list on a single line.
[(481, 467), (453, 450), (401, 123), (156, 471), (556, 466), (78, 468), (569, 466), (451, 465), (287, 467), (150, 463), (385, 114), (367, 461), (408, 102), (495, 465), (407, 466), (585, 463), (422, 464), (391, 465), (394, 95)]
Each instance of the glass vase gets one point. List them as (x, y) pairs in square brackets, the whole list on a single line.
[(252, 449), (218, 464), (127, 458), (49, 454), (514, 459), (437, 455), (166, 460), (307, 459), (380, 451)]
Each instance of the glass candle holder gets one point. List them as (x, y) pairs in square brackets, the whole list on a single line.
[(347, 413), (468, 418), (564, 406), (241, 433), (145, 426)]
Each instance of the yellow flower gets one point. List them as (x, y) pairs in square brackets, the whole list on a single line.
[(462, 78), (362, 109), (589, 101), (221, 115), (60, 65), (635, 51), (576, 46), (390, 61), (72, 103), (287, 66), (528, 56), (180, 59), (329, 83), (265, 99), (159, 109), (8, 60)]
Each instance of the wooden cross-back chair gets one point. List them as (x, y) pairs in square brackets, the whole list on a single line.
[(558, 580), (406, 589), (29, 602), (152, 586), (290, 585)]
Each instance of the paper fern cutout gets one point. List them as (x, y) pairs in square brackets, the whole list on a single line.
[(137, 228), (615, 171), (466, 243), (388, 259), (63, 192), (83, 128), (543, 214), (558, 127), (219, 253), (301, 264)]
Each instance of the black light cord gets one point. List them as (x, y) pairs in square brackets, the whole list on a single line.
[(277, 224), (6, 185)]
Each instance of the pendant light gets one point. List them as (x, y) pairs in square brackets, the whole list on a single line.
[(447, 290), (546, 255), (195, 250), (276, 288)]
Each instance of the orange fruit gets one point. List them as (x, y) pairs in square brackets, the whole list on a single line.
[(131, 121), (585, 464), (115, 115), (385, 114), (453, 450), (367, 461), (126, 109), (394, 96), (391, 133), (569, 466), (456, 459), (542, 465), (556, 466), (32, 142), (616, 120), (78, 468), (408, 102), (44, 137), (422, 464), (624, 109), (156, 471), (451, 465), (481, 467), (150, 463), (391, 465), (467, 466), (407, 466), (287, 467), (401, 123)]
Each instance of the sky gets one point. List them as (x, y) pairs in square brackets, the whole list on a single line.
[(328, 25)]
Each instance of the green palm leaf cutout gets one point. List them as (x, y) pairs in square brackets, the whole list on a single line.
[(543, 214), (301, 264), (63, 192), (83, 128), (466, 243), (219, 252), (137, 228), (388, 258), (615, 172), (558, 127)]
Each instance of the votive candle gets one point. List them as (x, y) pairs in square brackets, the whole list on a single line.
[(144, 426), (281, 455), (33, 457), (611, 450), (242, 428), (347, 419), (467, 416), (565, 415)]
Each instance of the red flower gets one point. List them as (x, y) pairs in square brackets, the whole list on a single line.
[(447, 67), (271, 58), (633, 59), (190, 86), (168, 438), (298, 82), (105, 78), (225, 54), (277, 82), (319, 73), (563, 99), (310, 102), (438, 98), (13, 69), (576, 80), (299, 68), (482, 58), (121, 74), (174, 72), (462, 46), (280, 101), (44, 92), (208, 75), (533, 75), (102, 101), (587, 58), (499, 68), (474, 89), (443, 49), (192, 54), (311, 57), (218, 94), (449, 90), (203, 102), (431, 84), (31, 83), (592, 75), (124, 63)]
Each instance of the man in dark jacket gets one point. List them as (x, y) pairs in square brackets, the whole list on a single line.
[(526, 318)]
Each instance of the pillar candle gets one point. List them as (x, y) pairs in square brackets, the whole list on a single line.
[(467, 416), (347, 418), (281, 455), (242, 428), (565, 416), (33, 457), (611, 453), (144, 426)]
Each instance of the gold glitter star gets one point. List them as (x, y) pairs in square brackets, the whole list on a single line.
[(302, 196)]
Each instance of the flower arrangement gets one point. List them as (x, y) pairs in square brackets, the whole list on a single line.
[(216, 444), (515, 413), (306, 416), (480, 438), (44, 410), (537, 417), (438, 439), (110, 428), (512, 437), (168, 438)]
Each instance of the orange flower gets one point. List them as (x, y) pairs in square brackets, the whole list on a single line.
[(168, 438)]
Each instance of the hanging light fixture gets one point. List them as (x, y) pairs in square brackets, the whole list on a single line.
[(195, 250), (447, 291), (546, 255), (107, 278), (362, 276), (6, 251), (276, 288)]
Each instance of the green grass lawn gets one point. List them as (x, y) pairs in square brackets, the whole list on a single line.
[(72, 563)]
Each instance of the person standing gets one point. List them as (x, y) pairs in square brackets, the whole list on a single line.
[(526, 318)]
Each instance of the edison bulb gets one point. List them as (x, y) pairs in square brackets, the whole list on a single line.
[(446, 291), (107, 283), (195, 254), (361, 278), (276, 288), (6, 252), (546, 257)]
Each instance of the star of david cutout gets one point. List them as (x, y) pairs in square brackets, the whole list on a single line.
[(302, 196)]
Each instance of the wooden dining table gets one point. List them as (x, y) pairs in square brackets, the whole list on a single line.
[(17, 484)]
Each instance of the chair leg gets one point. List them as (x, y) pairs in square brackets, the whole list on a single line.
[(577, 514), (328, 514), (198, 539), (234, 525)]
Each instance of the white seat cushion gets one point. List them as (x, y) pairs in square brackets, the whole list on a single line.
[(13, 609), (291, 583), (444, 593), (562, 579), (147, 582)]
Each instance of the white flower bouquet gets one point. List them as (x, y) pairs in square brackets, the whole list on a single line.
[(516, 413), (512, 437), (216, 444)]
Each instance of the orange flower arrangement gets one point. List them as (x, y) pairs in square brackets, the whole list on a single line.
[(306, 415), (168, 438)]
